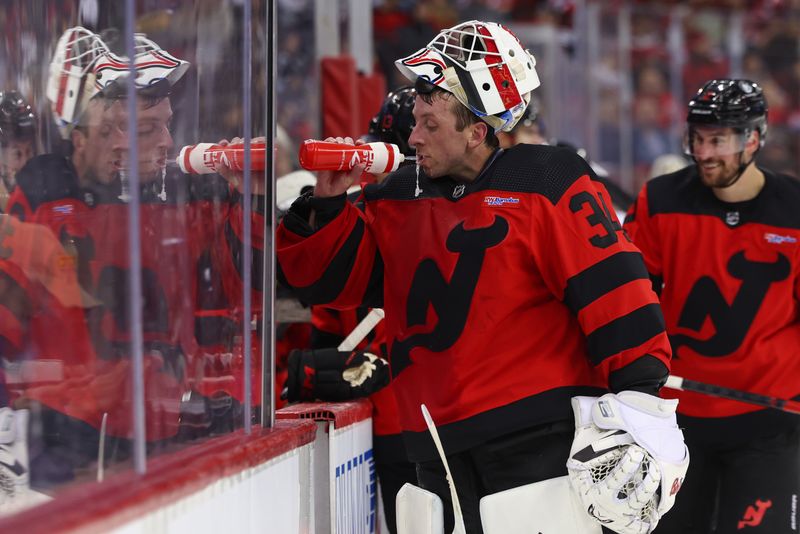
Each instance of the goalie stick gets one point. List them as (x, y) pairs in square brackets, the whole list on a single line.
[(361, 330), (355, 337), (683, 384)]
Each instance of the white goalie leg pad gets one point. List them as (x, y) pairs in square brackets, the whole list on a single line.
[(628, 459), (14, 477), (419, 511), (547, 506)]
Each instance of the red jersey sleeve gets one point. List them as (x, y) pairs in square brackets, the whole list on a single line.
[(337, 265), (589, 262)]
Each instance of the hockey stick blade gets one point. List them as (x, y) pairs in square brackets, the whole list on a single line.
[(360, 332), (683, 384)]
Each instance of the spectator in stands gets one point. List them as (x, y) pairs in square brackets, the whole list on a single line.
[(719, 240)]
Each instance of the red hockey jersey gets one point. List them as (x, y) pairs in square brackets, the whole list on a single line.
[(190, 244), (504, 297), (731, 285)]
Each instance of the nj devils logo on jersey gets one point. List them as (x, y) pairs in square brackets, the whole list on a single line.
[(731, 321), (450, 300), (754, 515)]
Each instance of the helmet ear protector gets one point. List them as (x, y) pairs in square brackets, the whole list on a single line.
[(483, 65)]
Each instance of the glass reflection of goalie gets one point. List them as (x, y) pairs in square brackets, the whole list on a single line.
[(191, 238)]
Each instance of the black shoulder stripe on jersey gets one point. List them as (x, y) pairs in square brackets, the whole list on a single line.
[(47, 178), (683, 192), (603, 277), (373, 297), (626, 332), (545, 170), (334, 278), (538, 169), (235, 246)]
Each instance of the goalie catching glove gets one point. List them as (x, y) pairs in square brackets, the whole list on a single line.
[(331, 375), (628, 459)]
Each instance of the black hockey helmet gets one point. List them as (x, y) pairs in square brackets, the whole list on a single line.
[(738, 104), (531, 116), (395, 120), (17, 121)]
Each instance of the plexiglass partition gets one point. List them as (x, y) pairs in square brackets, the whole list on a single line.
[(131, 273)]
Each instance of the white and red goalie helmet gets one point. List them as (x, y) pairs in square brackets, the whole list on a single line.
[(483, 65), (83, 66)]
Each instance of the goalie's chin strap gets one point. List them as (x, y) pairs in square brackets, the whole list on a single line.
[(458, 527)]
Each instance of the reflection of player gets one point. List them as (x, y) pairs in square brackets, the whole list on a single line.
[(508, 288), (17, 140), (190, 244), (720, 238), (39, 296)]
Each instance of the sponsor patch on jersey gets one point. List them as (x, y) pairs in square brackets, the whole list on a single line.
[(494, 201), (64, 209), (777, 239)]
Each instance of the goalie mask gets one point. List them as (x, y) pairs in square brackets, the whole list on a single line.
[(483, 65), (71, 81), (83, 66), (156, 70)]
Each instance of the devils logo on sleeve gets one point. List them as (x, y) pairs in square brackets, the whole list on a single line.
[(450, 300), (731, 321)]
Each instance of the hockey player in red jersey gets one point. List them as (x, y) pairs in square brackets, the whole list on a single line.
[(17, 140), (509, 288), (720, 239), (191, 243)]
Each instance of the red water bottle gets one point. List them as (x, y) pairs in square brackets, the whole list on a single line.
[(201, 158), (326, 156)]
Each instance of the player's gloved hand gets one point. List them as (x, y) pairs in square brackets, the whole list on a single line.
[(628, 459), (330, 375)]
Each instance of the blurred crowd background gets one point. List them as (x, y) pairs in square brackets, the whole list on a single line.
[(616, 75)]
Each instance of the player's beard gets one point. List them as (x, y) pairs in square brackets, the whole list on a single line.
[(723, 174)]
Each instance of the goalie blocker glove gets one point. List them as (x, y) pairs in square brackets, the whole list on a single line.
[(628, 459), (331, 375)]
